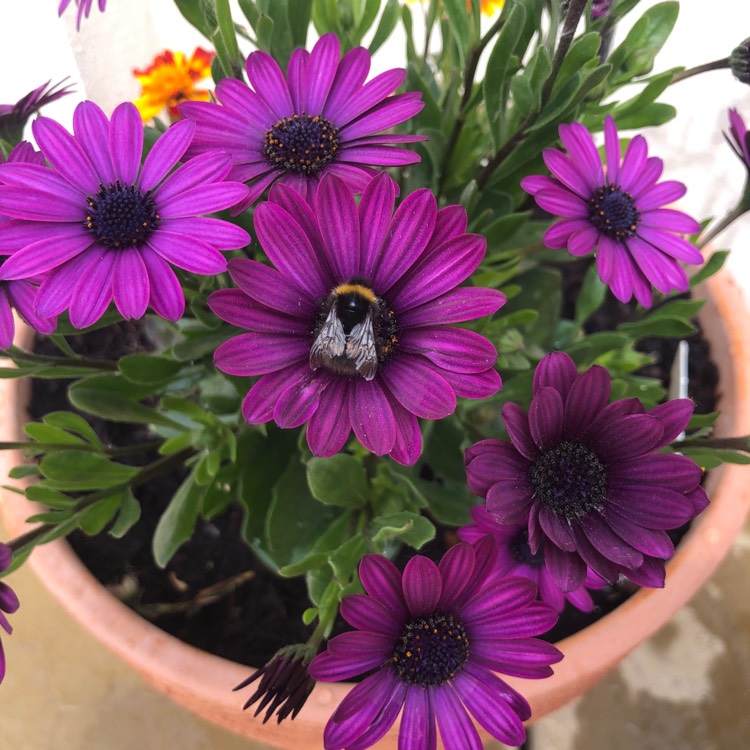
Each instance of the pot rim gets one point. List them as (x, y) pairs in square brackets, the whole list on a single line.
[(203, 682)]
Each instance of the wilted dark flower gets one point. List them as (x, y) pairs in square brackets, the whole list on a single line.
[(739, 61), (285, 683), (587, 478), (13, 117), (8, 602)]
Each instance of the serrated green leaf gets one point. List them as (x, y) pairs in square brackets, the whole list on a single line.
[(338, 480)]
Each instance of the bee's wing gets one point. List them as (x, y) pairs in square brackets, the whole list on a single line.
[(360, 347), (329, 343)]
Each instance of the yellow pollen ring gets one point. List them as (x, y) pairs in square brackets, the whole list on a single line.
[(359, 289)]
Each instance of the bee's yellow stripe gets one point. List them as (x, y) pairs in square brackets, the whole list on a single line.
[(362, 291)]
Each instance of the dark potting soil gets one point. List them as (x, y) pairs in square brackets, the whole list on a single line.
[(215, 593)]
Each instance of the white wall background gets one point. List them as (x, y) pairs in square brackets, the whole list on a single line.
[(38, 46)]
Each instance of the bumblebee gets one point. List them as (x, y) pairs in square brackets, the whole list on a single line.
[(348, 341)]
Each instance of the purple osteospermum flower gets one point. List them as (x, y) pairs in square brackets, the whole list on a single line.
[(84, 8), (619, 214), (13, 117), (104, 227), (431, 640), (321, 118), (740, 139), (20, 294), (515, 558), (349, 331), (584, 476), (8, 602)]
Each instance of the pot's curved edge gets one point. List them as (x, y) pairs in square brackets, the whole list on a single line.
[(205, 685), (723, 319)]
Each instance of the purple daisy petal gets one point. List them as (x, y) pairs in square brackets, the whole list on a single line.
[(7, 326), (489, 461), (23, 295), (371, 417), (567, 569), (454, 349), (651, 542), (235, 307), (187, 252), (329, 427), (93, 293), (46, 254), (375, 211), (516, 422), (456, 567), (487, 698), (260, 401), (56, 291), (206, 168), (422, 585), (557, 370), (474, 385), (350, 76), (651, 507), (580, 145), (372, 92), (297, 403), (587, 397), (165, 153), (567, 173), (384, 720), (408, 443), (266, 78), (456, 728), (365, 613), (380, 578), (662, 470), (167, 298), (529, 658), (130, 284), (364, 649), (322, 66), (296, 77), (91, 129), (419, 388), (546, 415), (258, 353), (126, 142), (417, 730), (340, 237)]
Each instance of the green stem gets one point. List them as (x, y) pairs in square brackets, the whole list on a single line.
[(690, 72), (742, 207), (126, 450), (14, 352)]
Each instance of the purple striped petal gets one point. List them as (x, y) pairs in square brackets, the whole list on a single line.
[(42, 256), (568, 174), (296, 78), (665, 192), (321, 71), (221, 234), (23, 295), (391, 111), (408, 444), (367, 649), (371, 416), (581, 149), (457, 731), (235, 307), (130, 284), (200, 171), (242, 101), (417, 730), (42, 179), (410, 231), (165, 153), (422, 586), (65, 154), (350, 76), (608, 543), (516, 422), (508, 501), (380, 155), (56, 291), (366, 613), (381, 580), (474, 385), (266, 78), (455, 306), (167, 298), (260, 401), (664, 470), (418, 387), (633, 162), (41, 206), (561, 202), (126, 142), (375, 213), (372, 92), (677, 247), (329, 427), (456, 567), (626, 437), (566, 568), (487, 697), (455, 349), (611, 150), (555, 370), (259, 353), (558, 529), (91, 129), (203, 200), (529, 658), (546, 415), (490, 461), (652, 542), (185, 251), (7, 326), (299, 401), (657, 508), (93, 293), (340, 237), (587, 397)]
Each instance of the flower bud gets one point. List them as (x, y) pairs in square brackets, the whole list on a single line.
[(739, 61)]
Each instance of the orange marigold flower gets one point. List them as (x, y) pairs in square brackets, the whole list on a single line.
[(171, 79)]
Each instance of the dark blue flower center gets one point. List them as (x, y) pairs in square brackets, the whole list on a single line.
[(519, 548), (301, 144), (431, 650), (612, 211), (121, 216), (569, 479)]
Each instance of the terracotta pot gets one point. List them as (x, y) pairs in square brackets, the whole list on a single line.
[(202, 682)]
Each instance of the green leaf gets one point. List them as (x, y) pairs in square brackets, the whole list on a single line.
[(635, 56), (338, 480), (387, 24), (295, 518), (583, 52), (78, 470), (94, 519), (195, 13), (149, 369), (449, 502), (590, 296), (459, 24), (410, 528), (680, 308), (699, 421), (39, 493), (666, 326), (177, 523), (714, 264), (494, 86), (67, 420), (44, 433), (345, 560), (710, 458), (298, 13), (130, 513), (115, 398)]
